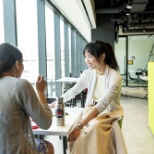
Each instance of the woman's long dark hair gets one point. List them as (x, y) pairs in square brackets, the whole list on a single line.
[(8, 56), (97, 48)]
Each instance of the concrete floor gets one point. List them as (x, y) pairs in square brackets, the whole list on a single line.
[(137, 134)]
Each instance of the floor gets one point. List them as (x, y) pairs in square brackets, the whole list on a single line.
[(137, 134), (140, 83)]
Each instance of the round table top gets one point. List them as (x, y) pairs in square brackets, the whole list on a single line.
[(144, 77)]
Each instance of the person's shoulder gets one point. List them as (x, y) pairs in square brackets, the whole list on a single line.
[(23, 82), (88, 71), (114, 72), (88, 74)]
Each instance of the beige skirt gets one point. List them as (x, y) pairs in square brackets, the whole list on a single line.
[(95, 137)]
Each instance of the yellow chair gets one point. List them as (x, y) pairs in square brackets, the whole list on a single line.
[(120, 122)]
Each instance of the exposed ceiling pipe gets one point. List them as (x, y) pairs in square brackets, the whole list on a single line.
[(118, 19), (133, 20), (140, 1), (143, 24), (118, 9), (127, 30), (121, 19)]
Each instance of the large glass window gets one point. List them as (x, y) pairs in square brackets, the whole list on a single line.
[(27, 34), (49, 22), (1, 22), (120, 53), (62, 47), (139, 48), (140, 52), (69, 37)]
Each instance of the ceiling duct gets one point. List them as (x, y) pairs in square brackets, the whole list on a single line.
[(117, 9), (143, 24), (139, 5), (143, 30), (120, 19)]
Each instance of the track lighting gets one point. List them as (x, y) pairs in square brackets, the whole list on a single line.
[(127, 12), (129, 5)]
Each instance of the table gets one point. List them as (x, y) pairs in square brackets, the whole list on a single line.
[(63, 131), (72, 80), (68, 79), (144, 77)]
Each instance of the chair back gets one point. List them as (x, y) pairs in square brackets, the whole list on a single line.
[(50, 100), (139, 71)]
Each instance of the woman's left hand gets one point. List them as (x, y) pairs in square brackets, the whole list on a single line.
[(73, 134)]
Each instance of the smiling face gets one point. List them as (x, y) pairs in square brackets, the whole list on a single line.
[(92, 62), (98, 54)]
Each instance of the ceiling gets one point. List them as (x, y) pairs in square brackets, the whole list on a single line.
[(130, 16), (76, 14)]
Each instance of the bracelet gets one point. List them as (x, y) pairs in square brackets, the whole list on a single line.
[(79, 125)]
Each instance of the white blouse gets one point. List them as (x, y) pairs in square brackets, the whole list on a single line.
[(99, 87)]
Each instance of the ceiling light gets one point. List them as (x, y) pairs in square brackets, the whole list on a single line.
[(127, 12), (128, 6)]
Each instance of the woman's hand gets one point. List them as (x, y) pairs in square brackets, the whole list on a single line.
[(41, 84), (40, 87), (74, 134)]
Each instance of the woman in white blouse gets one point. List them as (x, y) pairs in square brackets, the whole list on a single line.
[(94, 132)]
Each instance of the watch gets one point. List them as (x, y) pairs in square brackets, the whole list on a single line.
[(79, 125)]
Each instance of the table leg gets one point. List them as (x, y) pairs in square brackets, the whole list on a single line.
[(82, 98), (64, 142)]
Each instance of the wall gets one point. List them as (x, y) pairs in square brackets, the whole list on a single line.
[(151, 96), (105, 29)]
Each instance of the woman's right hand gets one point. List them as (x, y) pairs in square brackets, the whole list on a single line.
[(73, 135), (41, 84), (40, 87)]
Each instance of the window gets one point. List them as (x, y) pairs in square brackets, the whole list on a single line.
[(136, 59), (62, 47), (49, 21), (27, 34), (1, 22), (70, 61)]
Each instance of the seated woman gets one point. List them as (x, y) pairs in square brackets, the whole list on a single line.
[(19, 102), (93, 133)]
